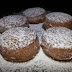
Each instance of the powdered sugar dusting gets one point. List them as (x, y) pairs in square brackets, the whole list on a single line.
[(59, 37), (40, 63), (17, 37), (59, 17), (13, 20), (32, 12)]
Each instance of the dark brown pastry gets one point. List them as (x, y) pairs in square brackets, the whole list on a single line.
[(11, 21), (35, 15), (57, 43), (19, 44), (58, 19)]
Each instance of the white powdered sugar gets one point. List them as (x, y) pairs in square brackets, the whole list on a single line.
[(58, 37), (38, 29), (59, 17), (18, 37), (40, 63), (12, 21), (32, 12)]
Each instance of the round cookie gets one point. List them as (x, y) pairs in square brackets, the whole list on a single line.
[(10, 21), (35, 15), (57, 43), (58, 19), (19, 44)]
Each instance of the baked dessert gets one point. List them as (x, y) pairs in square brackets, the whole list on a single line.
[(19, 44), (57, 43), (35, 15), (58, 19), (41, 63), (10, 21)]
